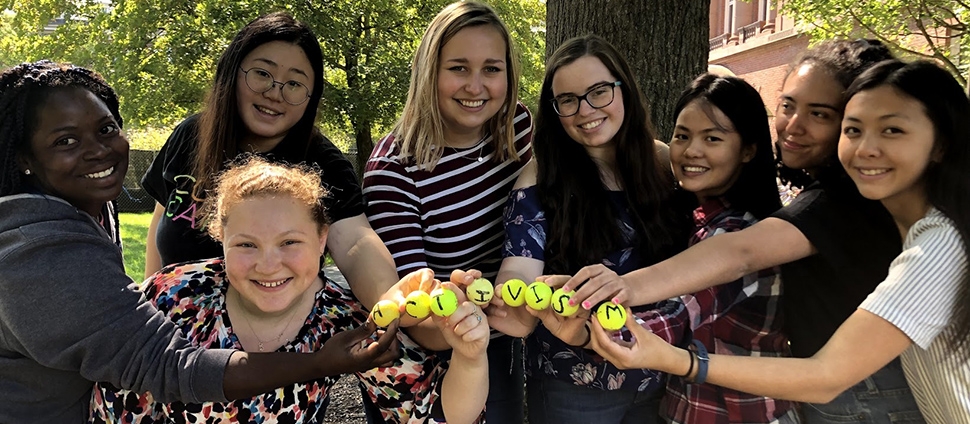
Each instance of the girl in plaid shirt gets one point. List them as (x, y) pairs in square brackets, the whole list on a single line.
[(721, 152)]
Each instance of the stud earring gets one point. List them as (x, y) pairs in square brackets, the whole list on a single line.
[(26, 172)]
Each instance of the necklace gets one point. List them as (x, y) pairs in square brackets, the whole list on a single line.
[(259, 341)]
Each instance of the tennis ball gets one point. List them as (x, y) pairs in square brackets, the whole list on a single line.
[(560, 302), (443, 302), (538, 295), (611, 316), (418, 304), (480, 291), (513, 292), (384, 312)]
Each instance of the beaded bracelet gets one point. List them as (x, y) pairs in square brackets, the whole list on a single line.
[(702, 360)]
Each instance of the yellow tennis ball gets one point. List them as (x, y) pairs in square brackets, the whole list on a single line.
[(443, 302), (611, 316), (384, 312), (513, 292), (480, 291), (418, 304), (560, 302), (538, 295)]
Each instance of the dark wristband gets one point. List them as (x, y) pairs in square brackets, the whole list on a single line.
[(702, 360)]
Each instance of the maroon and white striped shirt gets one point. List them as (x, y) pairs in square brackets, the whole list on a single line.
[(448, 218)]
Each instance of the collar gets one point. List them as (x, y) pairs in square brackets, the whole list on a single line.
[(707, 211)]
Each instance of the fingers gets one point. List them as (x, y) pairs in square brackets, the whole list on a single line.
[(386, 339), (459, 293), (554, 281), (581, 276), (465, 278)]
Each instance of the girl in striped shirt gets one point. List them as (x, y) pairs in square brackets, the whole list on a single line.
[(905, 142)]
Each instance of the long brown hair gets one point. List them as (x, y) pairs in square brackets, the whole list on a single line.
[(568, 181), (220, 126)]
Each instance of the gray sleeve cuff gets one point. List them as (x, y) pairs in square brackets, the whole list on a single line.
[(206, 381)]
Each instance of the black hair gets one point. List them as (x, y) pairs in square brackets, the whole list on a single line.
[(23, 89), (844, 60), (220, 126), (947, 177), (756, 190)]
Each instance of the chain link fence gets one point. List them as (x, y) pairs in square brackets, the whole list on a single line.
[(133, 197)]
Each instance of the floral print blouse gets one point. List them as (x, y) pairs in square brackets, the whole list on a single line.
[(192, 295), (549, 357)]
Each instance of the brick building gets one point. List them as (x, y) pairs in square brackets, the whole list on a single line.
[(755, 43)]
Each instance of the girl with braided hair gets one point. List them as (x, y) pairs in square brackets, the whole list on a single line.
[(67, 315)]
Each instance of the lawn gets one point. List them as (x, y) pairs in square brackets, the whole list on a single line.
[(134, 232)]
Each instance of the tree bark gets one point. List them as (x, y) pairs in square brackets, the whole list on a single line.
[(665, 42), (365, 144)]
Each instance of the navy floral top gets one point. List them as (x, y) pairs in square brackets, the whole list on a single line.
[(525, 231)]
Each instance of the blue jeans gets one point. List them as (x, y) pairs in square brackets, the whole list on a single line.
[(506, 384), (552, 401), (882, 398)]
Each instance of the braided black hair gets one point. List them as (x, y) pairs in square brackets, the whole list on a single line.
[(22, 90)]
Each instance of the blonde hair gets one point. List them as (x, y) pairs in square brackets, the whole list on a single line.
[(420, 132), (254, 177)]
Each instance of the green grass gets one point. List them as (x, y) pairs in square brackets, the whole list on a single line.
[(134, 232)]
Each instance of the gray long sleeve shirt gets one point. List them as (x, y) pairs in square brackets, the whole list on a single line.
[(68, 318)]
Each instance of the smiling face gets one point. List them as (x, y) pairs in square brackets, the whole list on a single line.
[(887, 144), (267, 117), (590, 127), (77, 151), (272, 247), (808, 117), (472, 82), (706, 155)]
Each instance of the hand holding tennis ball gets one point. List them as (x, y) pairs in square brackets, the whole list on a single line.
[(480, 291), (418, 304), (611, 316), (443, 302), (538, 295), (385, 312), (560, 302), (513, 292)]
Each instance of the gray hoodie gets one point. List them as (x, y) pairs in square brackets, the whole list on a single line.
[(68, 318)]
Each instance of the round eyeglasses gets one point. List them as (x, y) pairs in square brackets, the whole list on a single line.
[(598, 97), (261, 81)]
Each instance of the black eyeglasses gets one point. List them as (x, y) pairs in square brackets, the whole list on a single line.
[(598, 97), (261, 81)]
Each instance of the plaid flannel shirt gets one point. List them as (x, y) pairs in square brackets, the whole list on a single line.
[(742, 317)]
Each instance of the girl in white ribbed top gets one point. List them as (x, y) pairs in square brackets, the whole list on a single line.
[(905, 142)]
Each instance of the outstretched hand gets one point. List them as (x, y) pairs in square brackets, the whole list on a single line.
[(420, 280), (356, 350), (571, 330), (595, 284), (466, 330), (643, 351)]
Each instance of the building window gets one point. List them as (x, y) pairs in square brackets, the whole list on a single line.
[(730, 17)]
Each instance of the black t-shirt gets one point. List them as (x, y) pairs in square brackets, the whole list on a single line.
[(856, 240), (181, 235)]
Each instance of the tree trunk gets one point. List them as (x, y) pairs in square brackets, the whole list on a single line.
[(665, 42), (365, 144)]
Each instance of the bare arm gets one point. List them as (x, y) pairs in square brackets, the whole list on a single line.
[(464, 388), (514, 321), (861, 346), (153, 260), (361, 256), (714, 261), (250, 374)]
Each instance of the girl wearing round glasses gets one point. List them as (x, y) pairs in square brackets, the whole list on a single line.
[(264, 100), (598, 191)]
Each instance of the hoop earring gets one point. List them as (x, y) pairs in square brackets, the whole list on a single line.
[(26, 172)]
